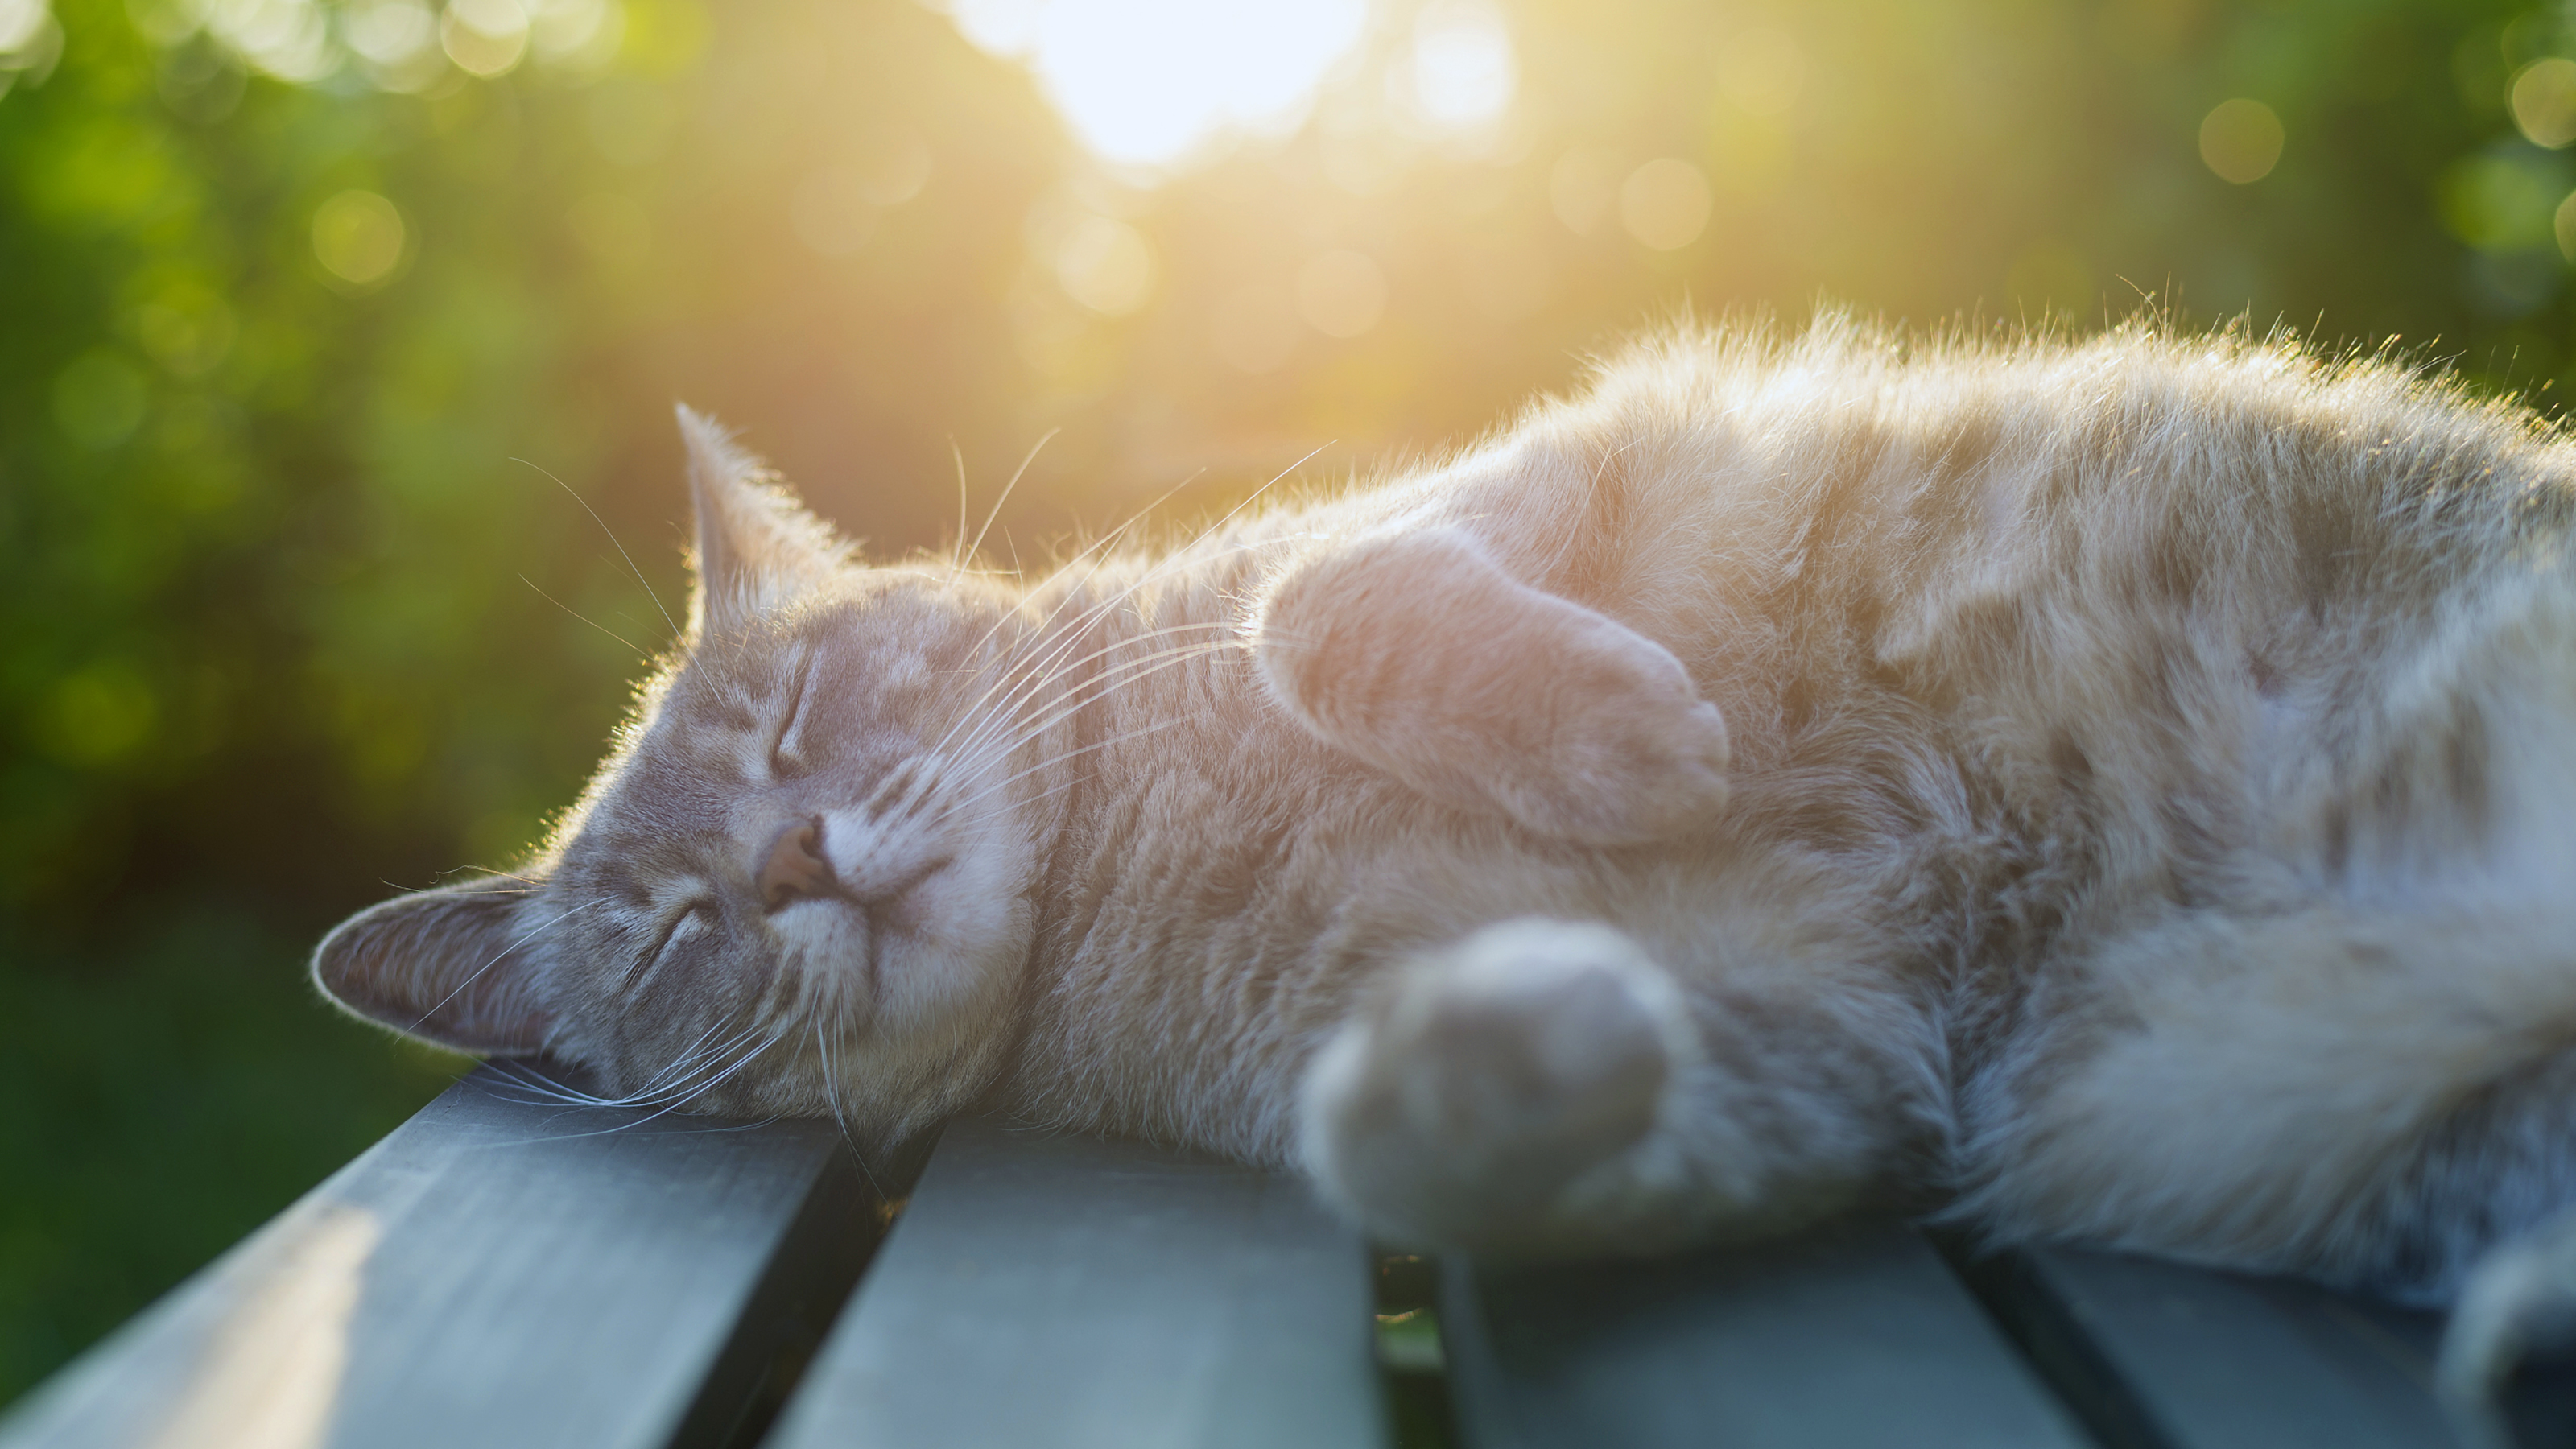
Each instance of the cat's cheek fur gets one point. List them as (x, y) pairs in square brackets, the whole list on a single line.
[(961, 957)]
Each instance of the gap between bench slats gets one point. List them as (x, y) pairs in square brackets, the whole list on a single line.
[(495, 1272), (1055, 1292), (2157, 1355), (1856, 1335)]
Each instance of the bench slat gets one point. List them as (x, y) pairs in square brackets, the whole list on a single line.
[(1855, 1335), (495, 1272), (2162, 1356), (1052, 1292)]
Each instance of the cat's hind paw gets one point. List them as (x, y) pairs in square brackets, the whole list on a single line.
[(1625, 759), (2508, 1366), (1475, 1105)]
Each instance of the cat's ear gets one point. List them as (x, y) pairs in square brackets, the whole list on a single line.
[(757, 547), (451, 966)]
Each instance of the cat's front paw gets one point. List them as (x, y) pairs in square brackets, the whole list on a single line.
[(2508, 1368), (1475, 1106)]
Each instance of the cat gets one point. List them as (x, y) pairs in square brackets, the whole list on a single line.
[(2116, 790)]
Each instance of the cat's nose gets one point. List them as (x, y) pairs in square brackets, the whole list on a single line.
[(794, 869)]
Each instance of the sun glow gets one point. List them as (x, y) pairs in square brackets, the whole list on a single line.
[(1145, 82)]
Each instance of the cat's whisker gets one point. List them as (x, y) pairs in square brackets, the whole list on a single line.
[(676, 1077), (968, 551), (484, 872), (1094, 689), (545, 1089), (1058, 789), (675, 1096), (1047, 669), (613, 543), (1056, 642), (679, 1102), (998, 717), (1060, 640), (841, 1118), (685, 1055), (585, 618), (477, 974), (1101, 687), (957, 560), (1007, 780)]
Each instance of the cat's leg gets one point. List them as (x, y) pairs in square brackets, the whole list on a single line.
[(2514, 1333), (1416, 651), (1545, 1086), (2373, 1099)]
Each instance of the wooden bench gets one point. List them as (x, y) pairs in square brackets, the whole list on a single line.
[(503, 1271)]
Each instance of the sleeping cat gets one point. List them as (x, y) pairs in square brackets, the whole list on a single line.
[(2120, 791)]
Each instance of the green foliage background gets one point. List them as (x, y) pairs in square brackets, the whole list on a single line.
[(294, 611)]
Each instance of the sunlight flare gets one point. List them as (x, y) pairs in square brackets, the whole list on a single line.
[(1145, 82)]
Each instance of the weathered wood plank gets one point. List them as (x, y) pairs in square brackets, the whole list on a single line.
[(1052, 1292), (1855, 1335), (2157, 1355), (495, 1272)]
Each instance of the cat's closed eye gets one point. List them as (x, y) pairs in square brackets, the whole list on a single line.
[(691, 919), (786, 760)]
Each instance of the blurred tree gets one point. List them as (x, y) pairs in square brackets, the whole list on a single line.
[(292, 287)]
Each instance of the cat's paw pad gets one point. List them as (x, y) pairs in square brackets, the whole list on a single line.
[(1494, 1077), (2508, 1366)]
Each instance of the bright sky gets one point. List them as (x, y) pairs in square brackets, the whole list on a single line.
[(1143, 81)]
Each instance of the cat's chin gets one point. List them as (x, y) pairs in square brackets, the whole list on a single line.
[(956, 941), (914, 967)]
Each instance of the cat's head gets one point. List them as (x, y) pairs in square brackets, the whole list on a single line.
[(802, 881)]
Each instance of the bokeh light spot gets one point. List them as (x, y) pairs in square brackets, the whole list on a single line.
[(187, 329), (2562, 224), (1763, 71), (358, 237), (2544, 101), (2506, 200), (1360, 165), (484, 37), (20, 21), (99, 399), (1341, 293), (1664, 203), (1464, 71), (388, 32), (1255, 329), (1506, 279), (889, 167), (831, 211), (2241, 140), (98, 714), (1581, 187), (1105, 265), (580, 34), (286, 38), (1144, 82), (632, 121), (612, 228)]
